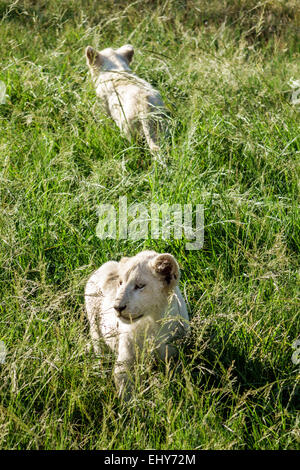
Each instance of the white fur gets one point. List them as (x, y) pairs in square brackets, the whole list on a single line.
[(135, 106), (154, 311)]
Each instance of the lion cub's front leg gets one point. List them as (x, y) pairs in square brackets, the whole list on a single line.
[(124, 366)]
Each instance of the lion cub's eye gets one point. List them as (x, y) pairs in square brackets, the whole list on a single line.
[(139, 286), (120, 283)]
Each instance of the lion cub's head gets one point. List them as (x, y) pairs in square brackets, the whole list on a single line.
[(109, 59), (144, 284)]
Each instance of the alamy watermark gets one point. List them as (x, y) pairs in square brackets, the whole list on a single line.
[(3, 94), (295, 85), (3, 352), (296, 353), (141, 221)]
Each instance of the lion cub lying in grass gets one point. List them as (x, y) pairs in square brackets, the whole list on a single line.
[(135, 302), (136, 107)]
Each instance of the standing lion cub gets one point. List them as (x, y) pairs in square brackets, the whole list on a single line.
[(135, 106), (135, 302)]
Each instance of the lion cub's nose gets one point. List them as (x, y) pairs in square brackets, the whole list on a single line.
[(119, 308)]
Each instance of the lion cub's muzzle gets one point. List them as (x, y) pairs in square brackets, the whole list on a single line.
[(130, 318), (125, 316), (119, 308)]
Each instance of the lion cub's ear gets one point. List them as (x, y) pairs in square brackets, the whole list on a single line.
[(92, 56), (166, 266), (127, 52)]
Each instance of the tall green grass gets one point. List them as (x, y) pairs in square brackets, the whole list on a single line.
[(223, 69)]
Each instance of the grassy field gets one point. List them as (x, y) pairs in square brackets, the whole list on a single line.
[(224, 69)]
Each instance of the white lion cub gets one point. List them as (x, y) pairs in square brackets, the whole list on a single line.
[(136, 107), (135, 302)]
